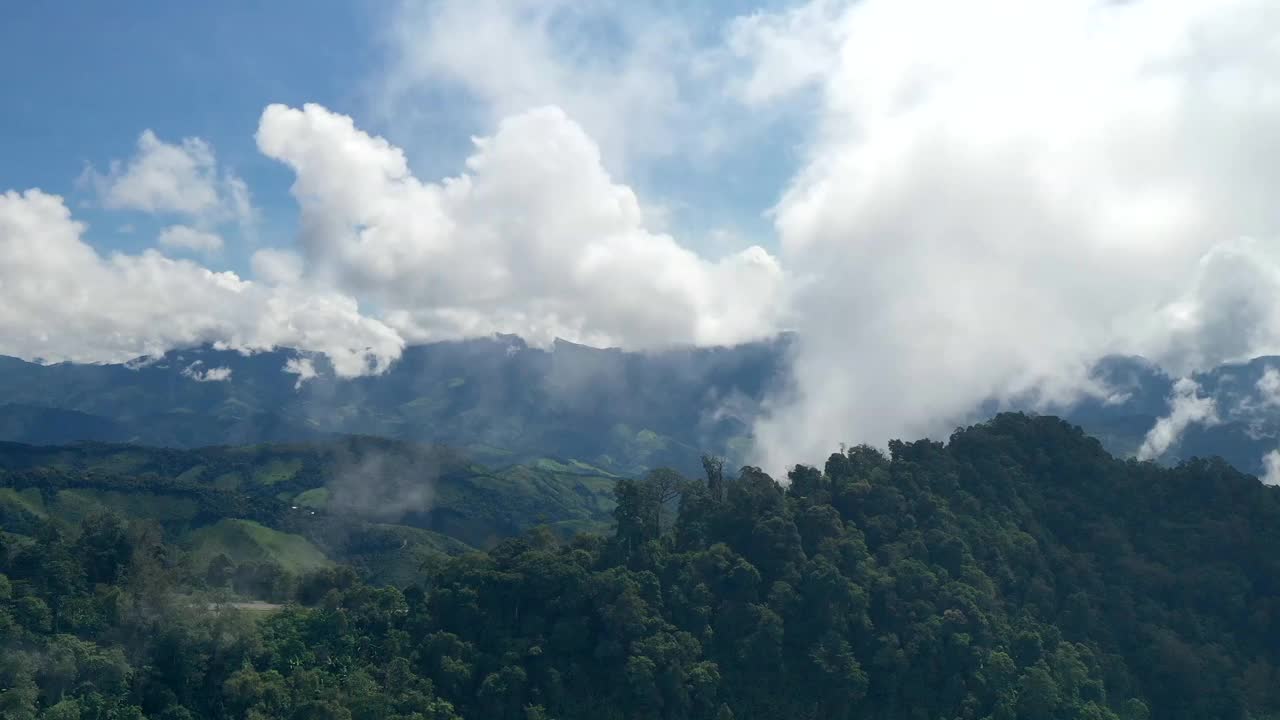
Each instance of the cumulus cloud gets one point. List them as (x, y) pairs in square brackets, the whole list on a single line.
[(162, 177), (535, 238), (176, 179), (64, 301), (1018, 191), (1186, 408), (183, 237)]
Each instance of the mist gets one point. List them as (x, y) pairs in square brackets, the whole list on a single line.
[(382, 482)]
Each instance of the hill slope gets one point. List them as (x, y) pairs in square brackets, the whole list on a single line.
[(356, 499)]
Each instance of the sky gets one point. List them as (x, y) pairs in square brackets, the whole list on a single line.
[(949, 203), (98, 75), (95, 76)]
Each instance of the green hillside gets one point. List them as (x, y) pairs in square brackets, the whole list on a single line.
[(245, 540), (377, 504)]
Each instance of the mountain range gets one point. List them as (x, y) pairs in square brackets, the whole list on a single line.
[(497, 398), (503, 402)]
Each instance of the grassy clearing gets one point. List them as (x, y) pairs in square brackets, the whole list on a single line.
[(277, 471), (243, 540), (26, 500), (315, 498)]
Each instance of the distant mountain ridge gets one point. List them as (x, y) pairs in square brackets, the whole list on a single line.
[(504, 401), (498, 398), (1246, 410)]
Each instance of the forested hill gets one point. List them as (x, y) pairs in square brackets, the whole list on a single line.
[(375, 503), (1017, 571)]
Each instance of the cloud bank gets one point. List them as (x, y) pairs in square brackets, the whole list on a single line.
[(1017, 191), (64, 301), (535, 238)]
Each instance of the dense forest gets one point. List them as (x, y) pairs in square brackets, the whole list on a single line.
[(1016, 571)]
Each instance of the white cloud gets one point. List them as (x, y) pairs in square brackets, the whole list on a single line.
[(64, 301), (175, 179), (1229, 311), (1017, 191), (536, 239), (162, 177), (1271, 461), (1186, 408), (217, 374), (238, 201), (182, 237), (640, 80), (788, 50), (1268, 387), (304, 368), (238, 207)]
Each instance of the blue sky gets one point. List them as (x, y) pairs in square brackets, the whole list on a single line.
[(92, 78), (86, 78)]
